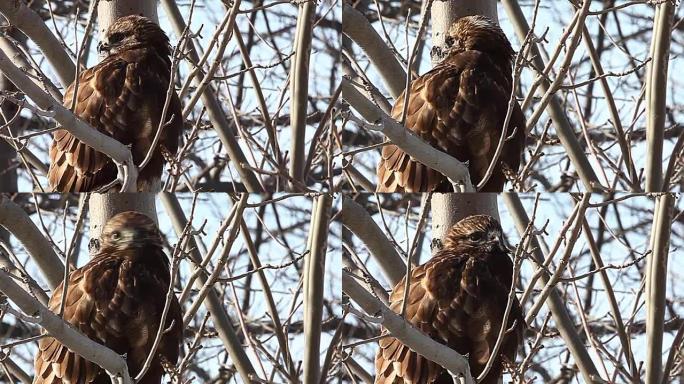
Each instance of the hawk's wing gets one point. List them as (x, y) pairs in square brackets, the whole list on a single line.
[(89, 291), (121, 98), (457, 301), (395, 362), (459, 107), (104, 103), (111, 301)]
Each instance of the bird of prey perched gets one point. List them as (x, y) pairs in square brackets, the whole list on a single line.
[(123, 97), (459, 107), (458, 298), (117, 300)]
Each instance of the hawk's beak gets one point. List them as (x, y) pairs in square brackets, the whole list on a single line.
[(129, 235), (103, 47), (497, 242), (93, 246), (501, 244)]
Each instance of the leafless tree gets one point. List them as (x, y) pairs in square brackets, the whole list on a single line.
[(256, 80), (600, 295), (601, 106), (256, 278)]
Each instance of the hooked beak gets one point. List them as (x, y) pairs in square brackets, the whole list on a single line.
[(497, 243), (103, 47), (93, 246)]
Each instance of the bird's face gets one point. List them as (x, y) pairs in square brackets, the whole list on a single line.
[(490, 240), (478, 33), (130, 32), (480, 232), (130, 230)]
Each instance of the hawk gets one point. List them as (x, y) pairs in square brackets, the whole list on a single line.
[(117, 300), (458, 298), (123, 97), (459, 107)]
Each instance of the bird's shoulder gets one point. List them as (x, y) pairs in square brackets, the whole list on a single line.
[(471, 75), (101, 80), (93, 281), (435, 278), (462, 83)]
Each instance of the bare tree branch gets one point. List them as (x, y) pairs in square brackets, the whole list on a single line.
[(20, 225), (29, 22), (357, 220), (656, 93), (357, 27), (656, 286), (314, 278)]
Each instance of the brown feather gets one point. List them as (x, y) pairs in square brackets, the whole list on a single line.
[(116, 299), (123, 97), (458, 298), (459, 107)]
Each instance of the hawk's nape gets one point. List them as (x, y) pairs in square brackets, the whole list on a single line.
[(117, 300), (458, 298), (123, 97), (459, 107)]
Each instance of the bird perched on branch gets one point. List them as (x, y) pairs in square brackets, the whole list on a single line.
[(459, 107), (117, 300), (458, 298), (123, 97)]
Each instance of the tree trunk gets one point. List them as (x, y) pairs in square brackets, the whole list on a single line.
[(8, 156), (104, 206)]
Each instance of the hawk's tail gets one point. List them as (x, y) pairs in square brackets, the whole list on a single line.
[(398, 172)]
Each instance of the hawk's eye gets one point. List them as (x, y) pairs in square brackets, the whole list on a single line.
[(477, 236), (115, 37), (115, 235), (449, 41)]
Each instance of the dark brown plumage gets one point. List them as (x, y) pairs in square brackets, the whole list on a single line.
[(459, 107), (458, 298), (123, 97), (117, 300)]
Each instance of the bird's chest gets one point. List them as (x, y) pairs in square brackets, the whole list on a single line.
[(147, 129), (468, 142), (145, 280), (145, 92)]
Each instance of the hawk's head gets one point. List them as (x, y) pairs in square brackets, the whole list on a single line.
[(479, 33), (479, 232), (130, 230), (133, 31)]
